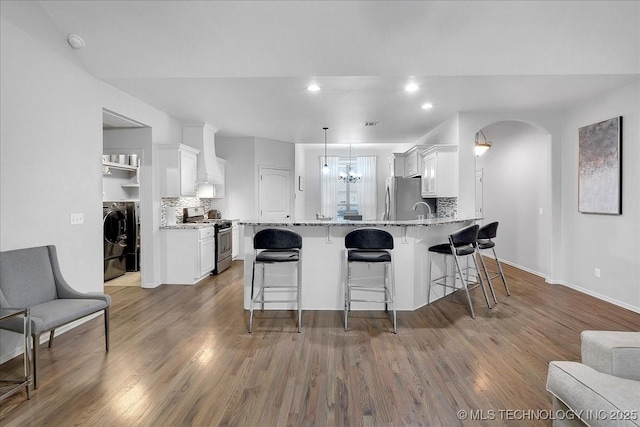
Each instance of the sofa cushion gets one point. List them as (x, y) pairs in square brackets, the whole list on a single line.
[(594, 396), (26, 277)]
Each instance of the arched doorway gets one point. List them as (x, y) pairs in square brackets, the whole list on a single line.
[(515, 189)]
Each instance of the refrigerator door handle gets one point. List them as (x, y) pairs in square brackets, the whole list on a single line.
[(387, 204)]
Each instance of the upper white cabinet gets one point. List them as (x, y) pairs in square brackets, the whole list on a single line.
[(396, 164), (440, 171), (179, 166), (413, 161)]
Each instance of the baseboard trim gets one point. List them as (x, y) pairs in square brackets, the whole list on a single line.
[(551, 281), (596, 295)]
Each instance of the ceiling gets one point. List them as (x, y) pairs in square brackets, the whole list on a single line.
[(244, 66)]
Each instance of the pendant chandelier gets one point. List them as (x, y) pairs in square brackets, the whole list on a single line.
[(350, 176), (325, 168), (481, 146)]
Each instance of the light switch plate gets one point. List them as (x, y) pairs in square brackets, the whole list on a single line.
[(77, 218)]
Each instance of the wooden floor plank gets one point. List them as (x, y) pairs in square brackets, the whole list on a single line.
[(181, 355)]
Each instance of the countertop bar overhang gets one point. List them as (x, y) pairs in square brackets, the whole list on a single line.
[(323, 260)]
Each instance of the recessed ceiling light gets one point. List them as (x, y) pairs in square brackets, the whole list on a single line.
[(313, 88), (427, 106), (75, 41), (411, 87)]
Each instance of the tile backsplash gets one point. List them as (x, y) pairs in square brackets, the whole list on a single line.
[(178, 203), (446, 207)]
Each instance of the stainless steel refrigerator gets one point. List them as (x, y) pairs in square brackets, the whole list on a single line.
[(400, 196)]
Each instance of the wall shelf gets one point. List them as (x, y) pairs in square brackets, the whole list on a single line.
[(120, 166)]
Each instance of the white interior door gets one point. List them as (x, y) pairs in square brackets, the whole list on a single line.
[(275, 194)]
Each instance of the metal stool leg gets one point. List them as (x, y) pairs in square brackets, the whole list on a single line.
[(430, 275), (393, 296), (486, 273), (347, 295), (253, 276), (504, 280), (299, 290), (464, 285), (484, 291)]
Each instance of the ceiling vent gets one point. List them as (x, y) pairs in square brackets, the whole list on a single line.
[(371, 123)]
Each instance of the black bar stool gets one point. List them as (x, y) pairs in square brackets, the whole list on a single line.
[(276, 246), (485, 234), (370, 245), (462, 243)]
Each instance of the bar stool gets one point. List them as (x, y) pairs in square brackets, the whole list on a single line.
[(276, 246), (485, 234), (462, 243), (370, 245)]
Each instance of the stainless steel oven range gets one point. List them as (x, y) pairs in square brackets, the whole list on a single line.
[(223, 245), (223, 235)]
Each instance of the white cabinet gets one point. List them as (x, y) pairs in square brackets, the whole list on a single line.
[(207, 248), (439, 174), (396, 164), (178, 164), (235, 241), (214, 191), (413, 161), (190, 255)]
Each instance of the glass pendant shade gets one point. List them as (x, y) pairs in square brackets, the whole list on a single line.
[(481, 146)]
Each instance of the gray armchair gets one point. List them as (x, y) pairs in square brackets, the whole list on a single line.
[(31, 278), (603, 390)]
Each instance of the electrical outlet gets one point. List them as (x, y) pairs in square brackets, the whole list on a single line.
[(77, 218), (540, 211), (597, 273)]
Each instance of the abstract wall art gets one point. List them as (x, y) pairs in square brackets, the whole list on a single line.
[(600, 167)]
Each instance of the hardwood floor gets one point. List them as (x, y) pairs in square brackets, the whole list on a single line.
[(181, 355)]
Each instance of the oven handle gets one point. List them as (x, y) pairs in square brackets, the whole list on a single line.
[(225, 231)]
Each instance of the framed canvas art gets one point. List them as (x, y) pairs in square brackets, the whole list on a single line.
[(600, 167)]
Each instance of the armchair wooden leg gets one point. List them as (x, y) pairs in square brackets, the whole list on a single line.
[(36, 356), (51, 337), (106, 328)]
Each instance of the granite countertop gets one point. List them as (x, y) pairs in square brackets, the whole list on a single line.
[(186, 226), (337, 223), (192, 225)]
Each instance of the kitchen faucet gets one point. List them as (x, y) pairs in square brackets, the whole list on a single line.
[(422, 203)]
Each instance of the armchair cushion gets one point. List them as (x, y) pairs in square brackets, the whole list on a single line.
[(612, 352), (603, 390), (587, 392)]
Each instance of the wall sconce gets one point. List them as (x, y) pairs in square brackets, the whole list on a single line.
[(481, 146)]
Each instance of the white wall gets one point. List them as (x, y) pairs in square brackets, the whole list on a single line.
[(51, 150), (516, 168), (608, 242), (446, 133), (239, 152)]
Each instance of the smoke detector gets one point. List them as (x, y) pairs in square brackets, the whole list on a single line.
[(75, 41)]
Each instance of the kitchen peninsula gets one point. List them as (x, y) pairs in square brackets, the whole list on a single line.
[(323, 254)]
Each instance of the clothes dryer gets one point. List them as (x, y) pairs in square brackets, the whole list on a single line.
[(115, 239)]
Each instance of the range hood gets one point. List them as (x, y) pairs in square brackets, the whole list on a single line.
[(202, 137)]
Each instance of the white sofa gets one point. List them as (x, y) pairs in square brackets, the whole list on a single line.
[(603, 390)]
